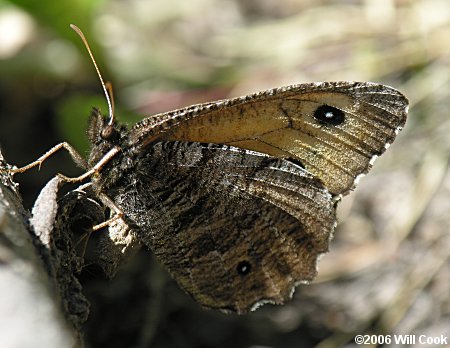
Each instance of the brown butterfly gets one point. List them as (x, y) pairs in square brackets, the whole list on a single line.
[(237, 198)]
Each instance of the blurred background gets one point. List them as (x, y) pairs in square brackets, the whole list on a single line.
[(388, 268)]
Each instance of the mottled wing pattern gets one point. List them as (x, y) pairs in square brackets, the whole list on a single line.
[(291, 122), (235, 228)]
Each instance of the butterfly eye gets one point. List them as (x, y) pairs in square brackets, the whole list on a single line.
[(326, 114), (243, 267), (107, 132)]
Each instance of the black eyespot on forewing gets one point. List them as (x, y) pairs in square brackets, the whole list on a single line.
[(243, 268), (326, 114)]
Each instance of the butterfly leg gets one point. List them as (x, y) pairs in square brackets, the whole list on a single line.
[(118, 214), (85, 237), (111, 205), (77, 158), (107, 222), (95, 169)]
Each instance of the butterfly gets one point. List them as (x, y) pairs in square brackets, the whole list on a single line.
[(237, 198)]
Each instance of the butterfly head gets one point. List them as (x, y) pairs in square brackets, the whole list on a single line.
[(103, 135)]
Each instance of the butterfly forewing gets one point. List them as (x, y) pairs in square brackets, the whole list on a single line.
[(286, 123)]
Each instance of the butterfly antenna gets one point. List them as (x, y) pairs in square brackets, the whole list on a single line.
[(109, 87), (105, 90)]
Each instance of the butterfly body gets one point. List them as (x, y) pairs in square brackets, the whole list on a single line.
[(237, 198)]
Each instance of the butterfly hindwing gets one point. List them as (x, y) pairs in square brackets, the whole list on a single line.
[(235, 228)]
